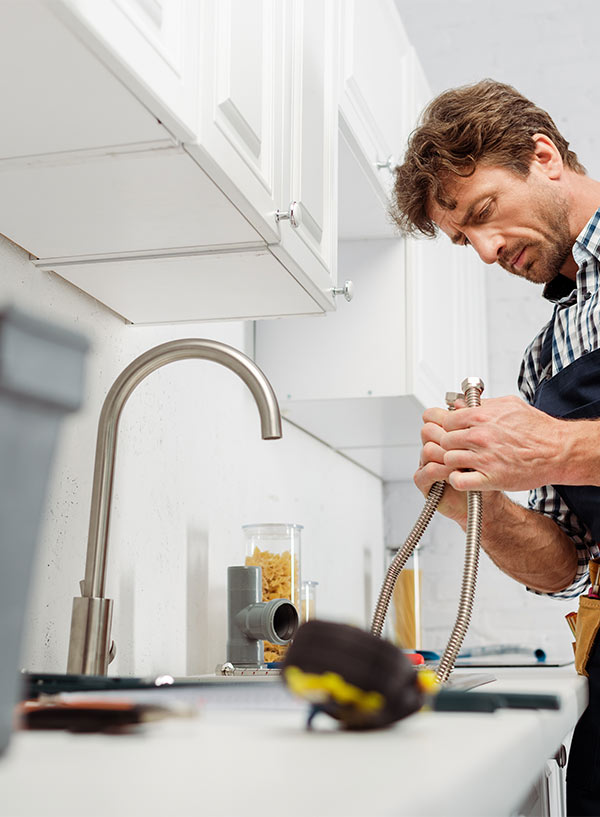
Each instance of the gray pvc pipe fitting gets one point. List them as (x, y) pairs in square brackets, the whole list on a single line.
[(251, 621)]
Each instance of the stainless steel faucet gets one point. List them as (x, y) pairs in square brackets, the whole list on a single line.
[(89, 651)]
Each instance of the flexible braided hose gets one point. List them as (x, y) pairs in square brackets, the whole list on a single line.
[(473, 538), (403, 555), (467, 592)]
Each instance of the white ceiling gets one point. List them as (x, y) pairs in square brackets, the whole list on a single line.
[(550, 51)]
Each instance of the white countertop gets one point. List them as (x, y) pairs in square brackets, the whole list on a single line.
[(249, 762)]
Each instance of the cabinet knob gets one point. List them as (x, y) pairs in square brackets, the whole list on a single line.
[(347, 290), (292, 214), (561, 756), (390, 164)]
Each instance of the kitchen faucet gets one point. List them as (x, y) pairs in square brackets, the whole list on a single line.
[(89, 651)]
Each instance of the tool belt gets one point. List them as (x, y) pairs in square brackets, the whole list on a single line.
[(588, 622)]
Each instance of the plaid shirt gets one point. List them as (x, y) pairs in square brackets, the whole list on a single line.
[(576, 321)]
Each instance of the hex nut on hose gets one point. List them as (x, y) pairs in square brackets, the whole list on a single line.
[(472, 383), (452, 397)]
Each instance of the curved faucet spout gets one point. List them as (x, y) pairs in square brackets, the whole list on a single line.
[(90, 624)]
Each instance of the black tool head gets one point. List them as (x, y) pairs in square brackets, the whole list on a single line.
[(361, 680)]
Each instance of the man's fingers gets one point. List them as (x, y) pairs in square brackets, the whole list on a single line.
[(428, 474), (478, 439), (459, 460), (465, 418), (431, 432), (432, 452), (435, 415), (468, 481)]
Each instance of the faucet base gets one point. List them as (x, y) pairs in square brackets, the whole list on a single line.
[(89, 652)]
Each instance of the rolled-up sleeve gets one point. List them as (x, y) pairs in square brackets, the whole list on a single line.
[(547, 501)]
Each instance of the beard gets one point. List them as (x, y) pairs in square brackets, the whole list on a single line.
[(547, 255)]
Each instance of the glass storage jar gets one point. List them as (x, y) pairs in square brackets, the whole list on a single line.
[(308, 595), (275, 547), (406, 603)]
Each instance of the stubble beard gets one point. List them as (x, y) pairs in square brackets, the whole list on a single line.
[(551, 252)]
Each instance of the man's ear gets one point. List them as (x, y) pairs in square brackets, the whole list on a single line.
[(546, 157)]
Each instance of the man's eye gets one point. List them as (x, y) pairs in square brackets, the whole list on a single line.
[(465, 242), (485, 212)]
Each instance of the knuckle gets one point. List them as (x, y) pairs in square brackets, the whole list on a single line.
[(429, 433), (450, 458), (478, 437)]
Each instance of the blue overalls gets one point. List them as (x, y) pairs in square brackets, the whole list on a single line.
[(574, 393)]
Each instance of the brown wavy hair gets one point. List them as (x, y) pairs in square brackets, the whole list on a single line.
[(489, 123)]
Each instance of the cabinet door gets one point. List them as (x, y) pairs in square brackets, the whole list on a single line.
[(115, 204), (434, 316), (375, 75), (240, 135), (470, 299), (56, 96), (309, 172), (152, 47)]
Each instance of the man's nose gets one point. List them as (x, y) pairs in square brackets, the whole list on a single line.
[(488, 246)]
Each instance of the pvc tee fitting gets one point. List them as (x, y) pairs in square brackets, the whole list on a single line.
[(251, 621)]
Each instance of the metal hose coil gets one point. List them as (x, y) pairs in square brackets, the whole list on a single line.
[(403, 555), (472, 548)]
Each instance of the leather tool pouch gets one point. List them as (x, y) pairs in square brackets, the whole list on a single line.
[(588, 625)]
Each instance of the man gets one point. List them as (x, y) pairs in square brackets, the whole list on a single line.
[(490, 170)]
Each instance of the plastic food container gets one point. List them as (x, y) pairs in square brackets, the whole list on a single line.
[(275, 547)]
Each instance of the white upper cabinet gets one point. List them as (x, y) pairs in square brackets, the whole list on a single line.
[(374, 115), (151, 45), (445, 287), (185, 160), (172, 132), (63, 208), (360, 378), (308, 192), (53, 91), (239, 139)]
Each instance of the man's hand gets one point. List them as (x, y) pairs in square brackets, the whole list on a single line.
[(504, 444), (432, 469), (510, 442)]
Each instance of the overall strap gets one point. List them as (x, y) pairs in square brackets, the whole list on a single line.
[(546, 352)]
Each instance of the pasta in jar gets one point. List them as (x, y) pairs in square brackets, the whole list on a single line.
[(280, 580)]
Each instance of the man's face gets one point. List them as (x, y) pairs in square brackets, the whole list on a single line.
[(520, 223)]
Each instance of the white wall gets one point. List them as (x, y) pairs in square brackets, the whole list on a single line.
[(191, 469), (466, 40), (504, 611)]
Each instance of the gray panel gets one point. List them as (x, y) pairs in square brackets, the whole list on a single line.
[(41, 379)]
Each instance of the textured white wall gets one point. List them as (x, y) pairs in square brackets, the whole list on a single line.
[(545, 48), (191, 469)]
